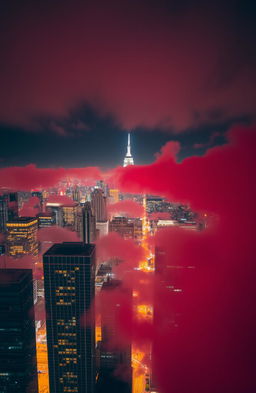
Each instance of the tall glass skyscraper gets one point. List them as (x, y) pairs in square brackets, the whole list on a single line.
[(69, 277)]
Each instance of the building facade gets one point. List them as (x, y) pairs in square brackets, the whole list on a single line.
[(86, 224), (21, 237), (99, 205), (18, 368), (69, 277)]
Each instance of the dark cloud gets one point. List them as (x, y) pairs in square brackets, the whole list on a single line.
[(171, 64)]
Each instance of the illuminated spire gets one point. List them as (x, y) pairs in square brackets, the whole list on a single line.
[(128, 154), (128, 160)]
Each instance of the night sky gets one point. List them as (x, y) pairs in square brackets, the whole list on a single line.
[(76, 76)]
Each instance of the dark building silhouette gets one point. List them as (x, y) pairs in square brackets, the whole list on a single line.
[(13, 205), (86, 224), (3, 212), (18, 368), (69, 277)]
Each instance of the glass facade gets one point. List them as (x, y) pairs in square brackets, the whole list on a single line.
[(69, 276)]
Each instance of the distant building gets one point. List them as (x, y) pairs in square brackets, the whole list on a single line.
[(86, 224), (46, 219), (18, 368), (69, 278), (76, 194), (122, 226), (128, 160), (69, 215), (56, 209), (99, 205), (22, 237), (128, 228)]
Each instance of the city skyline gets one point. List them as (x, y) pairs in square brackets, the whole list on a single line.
[(127, 196)]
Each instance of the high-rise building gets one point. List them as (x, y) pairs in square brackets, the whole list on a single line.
[(69, 278), (86, 224), (18, 368), (76, 194), (3, 212), (22, 237), (99, 205), (128, 160)]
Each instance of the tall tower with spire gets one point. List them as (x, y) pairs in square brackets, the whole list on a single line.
[(128, 159)]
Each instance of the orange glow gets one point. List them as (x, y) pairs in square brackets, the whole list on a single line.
[(42, 361), (139, 370), (142, 311), (98, 333), (145, 311)]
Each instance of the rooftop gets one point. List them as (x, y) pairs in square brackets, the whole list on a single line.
[(71, 248), (22, 220)]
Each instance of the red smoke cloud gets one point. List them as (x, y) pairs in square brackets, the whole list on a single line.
[(29, 176), (128, 208), (205, 282), (30, 208), (208, 182), (166, 64), (55, 234), (114, 246), (61, 199)]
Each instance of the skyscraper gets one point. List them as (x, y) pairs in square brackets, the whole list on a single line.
[(22, 237), (69, 277), (99, 205), (86, 224), (128, 160), (18, 369)]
